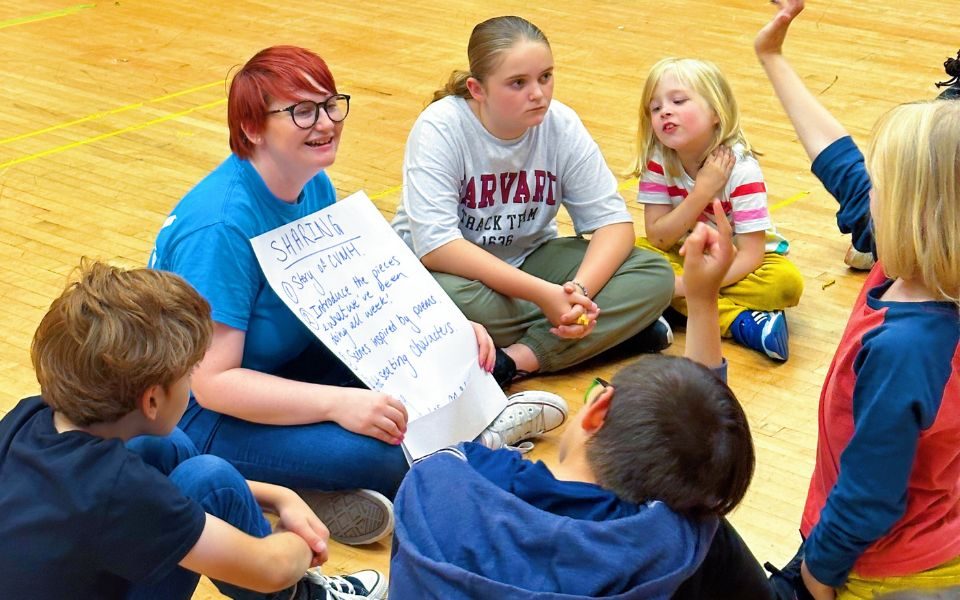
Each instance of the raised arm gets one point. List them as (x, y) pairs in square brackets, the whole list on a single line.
[(707, 256), (815, 126), (841, 169)]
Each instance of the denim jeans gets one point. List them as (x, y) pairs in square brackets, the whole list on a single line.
[(219, 489), (320, 456)]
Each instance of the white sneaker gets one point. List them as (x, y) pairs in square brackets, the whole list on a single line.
[(367, 584), (527, 414), (354, 517), (859, 261)]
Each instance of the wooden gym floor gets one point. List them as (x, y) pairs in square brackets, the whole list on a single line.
[(112, 111)]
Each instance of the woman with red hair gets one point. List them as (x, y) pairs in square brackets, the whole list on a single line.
[(267, 396)]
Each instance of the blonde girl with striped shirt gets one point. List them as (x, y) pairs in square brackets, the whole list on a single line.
[(691, 149)]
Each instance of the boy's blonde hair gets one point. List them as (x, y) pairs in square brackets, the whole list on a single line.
[(112, 335), (704, 78), (914, 166)]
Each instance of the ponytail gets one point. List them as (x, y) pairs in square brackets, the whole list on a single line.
[(455, 86)]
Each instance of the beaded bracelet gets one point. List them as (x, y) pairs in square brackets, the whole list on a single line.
[(583, 290)]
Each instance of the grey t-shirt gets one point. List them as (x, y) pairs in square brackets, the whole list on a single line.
[(459, 181)]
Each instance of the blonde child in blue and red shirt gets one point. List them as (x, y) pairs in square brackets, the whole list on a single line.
[(883, 508), (691, 149)]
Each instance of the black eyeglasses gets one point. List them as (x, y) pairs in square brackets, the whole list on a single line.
[(306, 113), (594, 390)]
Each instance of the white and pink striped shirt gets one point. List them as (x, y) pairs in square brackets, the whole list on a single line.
[(744, 198)]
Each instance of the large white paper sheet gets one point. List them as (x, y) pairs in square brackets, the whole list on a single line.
[(354, 283)]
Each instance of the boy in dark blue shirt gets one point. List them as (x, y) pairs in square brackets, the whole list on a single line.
[(86, 517)]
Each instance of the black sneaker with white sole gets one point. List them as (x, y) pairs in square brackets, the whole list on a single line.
[(367, 584)]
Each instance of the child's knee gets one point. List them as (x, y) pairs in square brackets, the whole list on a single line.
[(664, 278), (790, 286), (164, 453), (198, 476), (396, 468)]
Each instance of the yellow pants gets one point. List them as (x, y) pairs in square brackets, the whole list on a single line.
[(775, 285), (945, 576)]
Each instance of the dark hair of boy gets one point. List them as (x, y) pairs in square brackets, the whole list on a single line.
[(675, 433), (113, 334)]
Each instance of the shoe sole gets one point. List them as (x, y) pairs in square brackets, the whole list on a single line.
[(353, 517)]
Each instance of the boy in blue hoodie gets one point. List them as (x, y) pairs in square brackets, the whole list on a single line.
[(633, 510)]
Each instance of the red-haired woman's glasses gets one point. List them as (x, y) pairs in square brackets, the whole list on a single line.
[(306, 113)]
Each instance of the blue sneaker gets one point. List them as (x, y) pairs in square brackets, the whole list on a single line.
[(762, 331)]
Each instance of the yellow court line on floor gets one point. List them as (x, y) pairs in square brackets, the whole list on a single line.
[(53, 14), (790, 200), (112, 111), (110, 134), (623, 186), (386, 192)]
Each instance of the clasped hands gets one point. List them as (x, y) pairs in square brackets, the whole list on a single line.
[(572, 314)]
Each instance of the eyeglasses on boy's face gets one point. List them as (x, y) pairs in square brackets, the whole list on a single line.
[(306, 113), (594, 390)]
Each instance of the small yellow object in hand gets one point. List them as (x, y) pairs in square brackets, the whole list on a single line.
[(583, 320)]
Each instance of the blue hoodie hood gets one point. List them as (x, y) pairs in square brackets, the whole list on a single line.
[(458, 535)]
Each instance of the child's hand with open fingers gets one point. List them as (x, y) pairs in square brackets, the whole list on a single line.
[(769, 40), (713, 175), (707, 256)]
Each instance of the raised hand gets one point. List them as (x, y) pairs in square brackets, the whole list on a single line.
[(707, 256), (770, 38)]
